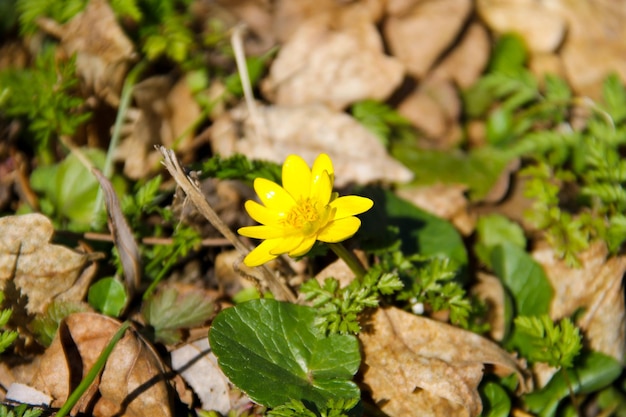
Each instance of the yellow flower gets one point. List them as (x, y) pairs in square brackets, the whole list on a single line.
[(303, 210)]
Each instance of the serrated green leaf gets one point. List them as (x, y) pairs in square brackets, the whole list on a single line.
[(273, 352), (168, 312), (108, 296)]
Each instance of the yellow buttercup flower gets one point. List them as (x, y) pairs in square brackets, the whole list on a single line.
[(303, 210)]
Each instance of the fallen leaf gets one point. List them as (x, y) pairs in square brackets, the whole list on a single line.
[(103, 51), (595, 45), (289, 15), (335, 67), (489, 289), (467, 61), (409, 31), (40, 270), (414, 365), (132, 383), (164, 114), (197, 364), (434, 108), (541, 27), (127, 247), (358, 155), (597, 288)]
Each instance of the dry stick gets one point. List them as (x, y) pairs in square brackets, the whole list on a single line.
[(260, 129), (278, 288)]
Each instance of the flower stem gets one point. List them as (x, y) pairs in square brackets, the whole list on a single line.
[(349, 258)]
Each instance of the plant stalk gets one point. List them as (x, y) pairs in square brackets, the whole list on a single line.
[(349, 258), (93, 372)]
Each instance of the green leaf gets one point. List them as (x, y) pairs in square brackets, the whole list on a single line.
[(509, 54), (556, 345), (45, 326), (168, 312), (524, 278), (72, 189), (595, 371), (496, 401), (493, 229), (419, 231), (108, 296), (479, 169), (273, 352)]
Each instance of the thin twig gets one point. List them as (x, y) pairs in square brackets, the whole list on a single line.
[(278, 288), (236, 41)]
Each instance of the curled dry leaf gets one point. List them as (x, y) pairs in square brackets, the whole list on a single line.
[(358, 156), (132, 383), (103, 51), (123, 238), (414, 364), (597, 287), (410, 32), (40, 270), (320, 64)]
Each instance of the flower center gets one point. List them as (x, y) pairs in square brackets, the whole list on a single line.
[(306, 217)]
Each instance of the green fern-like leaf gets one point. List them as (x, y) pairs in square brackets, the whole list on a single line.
[(556, 345)]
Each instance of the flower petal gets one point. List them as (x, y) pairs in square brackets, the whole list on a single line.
[(321, 189), (339, 230), (304, 247), (261, 254), (296, 177), (350, 205), (287, 244), (273, 195), (323, 163), (261, 232), (263, 214)]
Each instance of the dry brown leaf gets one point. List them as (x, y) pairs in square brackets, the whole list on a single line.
[(541, 27), (358, 156), (597, 287), (410, 31), (434, 108), (197, 365), (489, 289), (335, 67), (466, 62), (595, 45), (132, 383), (289, 15), (414, 365), (125, 243), (40, 270), (103, 51), (165, 112)]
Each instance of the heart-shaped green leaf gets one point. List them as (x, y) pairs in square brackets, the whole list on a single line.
[(273, 352)]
